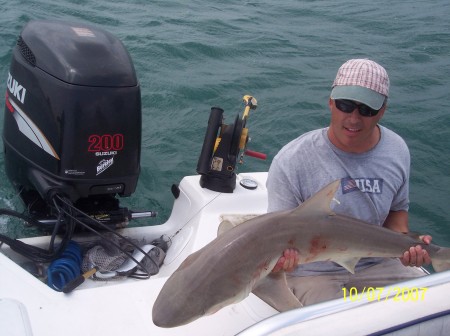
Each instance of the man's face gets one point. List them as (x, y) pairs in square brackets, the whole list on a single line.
[(352, 132)]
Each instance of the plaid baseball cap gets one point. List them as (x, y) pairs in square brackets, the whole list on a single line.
[(362, 80)]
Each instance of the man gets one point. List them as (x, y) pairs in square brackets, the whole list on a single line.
[(367, 157)]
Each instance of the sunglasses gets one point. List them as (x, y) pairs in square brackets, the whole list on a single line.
[(348, 106)]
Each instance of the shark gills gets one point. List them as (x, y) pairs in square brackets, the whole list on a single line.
[(240, 259)]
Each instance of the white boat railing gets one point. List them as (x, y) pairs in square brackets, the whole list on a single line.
[(275, 325)]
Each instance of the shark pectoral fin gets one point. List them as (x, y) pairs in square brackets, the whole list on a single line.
[(348, 263), (224, 226), (274, 290)]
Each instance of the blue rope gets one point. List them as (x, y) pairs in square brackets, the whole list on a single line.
[(66, 268)]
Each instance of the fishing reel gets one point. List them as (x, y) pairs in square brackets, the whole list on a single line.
[(222, 146)]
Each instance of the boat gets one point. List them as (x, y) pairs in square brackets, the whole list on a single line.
[(70, 164), (30, 307)]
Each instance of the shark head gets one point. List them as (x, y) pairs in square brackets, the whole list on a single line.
[(196, 289)]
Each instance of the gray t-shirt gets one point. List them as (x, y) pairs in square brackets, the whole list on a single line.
[(310, 162)]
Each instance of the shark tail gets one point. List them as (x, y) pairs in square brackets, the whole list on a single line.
[(441, 260)]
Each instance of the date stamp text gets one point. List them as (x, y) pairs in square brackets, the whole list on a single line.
[(398, 294)]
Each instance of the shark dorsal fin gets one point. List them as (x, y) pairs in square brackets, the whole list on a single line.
[(320, 202)]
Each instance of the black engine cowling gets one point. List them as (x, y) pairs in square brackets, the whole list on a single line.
[(72, 121)]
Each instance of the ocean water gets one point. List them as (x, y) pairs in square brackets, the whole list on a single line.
[(192, 55)]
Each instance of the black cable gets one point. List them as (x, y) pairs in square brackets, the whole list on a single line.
[(66, 215), (107, 228), (33, 253)]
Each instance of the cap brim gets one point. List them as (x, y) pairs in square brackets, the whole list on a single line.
[(360, 94)]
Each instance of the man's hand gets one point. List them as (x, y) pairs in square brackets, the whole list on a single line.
[(287, 261), (416, 255)]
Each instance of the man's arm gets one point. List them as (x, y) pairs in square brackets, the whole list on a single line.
[(415, 256)]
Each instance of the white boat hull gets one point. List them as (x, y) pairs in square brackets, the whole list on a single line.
[(30, 307)]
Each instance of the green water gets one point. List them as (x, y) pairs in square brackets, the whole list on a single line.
[(192, 55)]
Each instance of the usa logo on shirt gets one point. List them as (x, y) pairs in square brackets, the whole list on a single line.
[(364, 184)]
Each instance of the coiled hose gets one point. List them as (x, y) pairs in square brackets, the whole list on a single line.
[(65, 269)]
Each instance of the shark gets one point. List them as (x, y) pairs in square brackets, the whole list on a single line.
[(240, 260)]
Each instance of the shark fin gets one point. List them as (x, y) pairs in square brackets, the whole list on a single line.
[(320, 202), (229, 221), (224, 226), (273, 290), (348, 263)]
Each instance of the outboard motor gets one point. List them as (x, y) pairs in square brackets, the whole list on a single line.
[(72, 123)]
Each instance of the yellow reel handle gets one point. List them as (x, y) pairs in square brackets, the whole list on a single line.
[(250, 104)]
